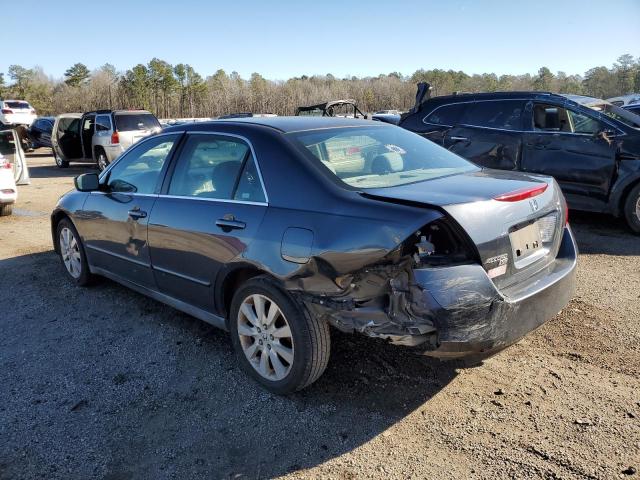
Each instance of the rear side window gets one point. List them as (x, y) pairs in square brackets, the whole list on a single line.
[(210, 166), (447, 115), (127, 122), (103, 123), (502, 114)]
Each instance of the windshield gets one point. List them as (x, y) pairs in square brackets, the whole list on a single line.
[(620, 114), (374, 157), (136, 121)]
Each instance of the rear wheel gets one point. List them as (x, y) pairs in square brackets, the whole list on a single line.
[(276, 341), (60, 162), (632, 209), (6, 209), (72, 253), (101, 160)]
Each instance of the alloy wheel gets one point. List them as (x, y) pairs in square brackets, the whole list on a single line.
[(265, 337), (638, 207), (102, 161), (70, 251)]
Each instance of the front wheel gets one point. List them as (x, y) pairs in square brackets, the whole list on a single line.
[(60, 162), (102, 161), (72, 253), (276, 341), (632, 209)]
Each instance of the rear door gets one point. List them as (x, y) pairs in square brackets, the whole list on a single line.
[(209, 211), (66, 136), (489, 134), (565, 144), (114, 220)]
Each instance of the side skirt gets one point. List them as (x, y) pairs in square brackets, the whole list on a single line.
[(200, 314)]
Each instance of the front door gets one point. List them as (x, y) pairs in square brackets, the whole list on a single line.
[(566, 145), (114, 223), (206, 216), (66, 139)]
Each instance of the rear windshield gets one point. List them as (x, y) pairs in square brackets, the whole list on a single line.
[(374, 157), (136, 121), (17, 105)]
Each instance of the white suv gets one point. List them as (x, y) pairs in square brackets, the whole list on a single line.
[(16, 112)]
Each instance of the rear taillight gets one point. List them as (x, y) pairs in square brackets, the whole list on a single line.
[(437, 243), (5, 165), (8, 191), (115, 138), (521, 194), (6, 111), (33, 111)]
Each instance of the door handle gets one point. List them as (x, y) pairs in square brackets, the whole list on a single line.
[(229, 222), (136, 213), (459, 139)]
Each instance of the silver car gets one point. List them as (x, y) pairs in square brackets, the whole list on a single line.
[(99, 137)]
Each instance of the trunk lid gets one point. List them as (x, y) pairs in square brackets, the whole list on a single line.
[(514, 239)]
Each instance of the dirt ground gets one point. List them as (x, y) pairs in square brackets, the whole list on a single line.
[(104, 383)]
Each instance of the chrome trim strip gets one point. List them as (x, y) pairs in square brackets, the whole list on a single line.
[(248, 142), (223, 200), (97, 192), (117, 255), (180, 275)]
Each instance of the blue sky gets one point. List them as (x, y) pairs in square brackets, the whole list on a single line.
[(280, 39)]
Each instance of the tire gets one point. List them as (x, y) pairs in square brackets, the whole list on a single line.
[(78, 270), (102, 161), (632, 209), (304, 352), (6, 209), (59, 161)]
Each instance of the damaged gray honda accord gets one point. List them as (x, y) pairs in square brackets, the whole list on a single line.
[(278, 228)]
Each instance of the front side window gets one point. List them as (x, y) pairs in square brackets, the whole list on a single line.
[(103, 123), (68, 125), (499, 114), (210, 166), (138, 171), (582, 123), (447, 115), (374, 157)]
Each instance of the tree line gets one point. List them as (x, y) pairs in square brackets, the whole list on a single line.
[(178, 91)]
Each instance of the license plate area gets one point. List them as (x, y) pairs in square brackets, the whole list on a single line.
[(526, 245)]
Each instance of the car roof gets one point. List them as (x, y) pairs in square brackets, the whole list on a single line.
[(469, 97), (283, 124)]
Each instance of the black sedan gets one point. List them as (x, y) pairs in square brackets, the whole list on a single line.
[(277, 229), (40, 132)]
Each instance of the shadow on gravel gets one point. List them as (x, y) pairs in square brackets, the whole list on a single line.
[(104, 383), (598, 233)]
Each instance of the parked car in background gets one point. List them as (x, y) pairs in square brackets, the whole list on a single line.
[(13, 154), (16, 112), (277, 228), (8, 189), (99, 137), (624, 100), (40, 132), (336, 108), (590, 146)]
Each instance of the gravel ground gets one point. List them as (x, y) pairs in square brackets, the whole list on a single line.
[(105, 383)]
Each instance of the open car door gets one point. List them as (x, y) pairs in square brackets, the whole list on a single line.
[(11, 150), (65, 137)]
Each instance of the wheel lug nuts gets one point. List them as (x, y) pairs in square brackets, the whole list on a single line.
[(259, 342), (269, 346), (258, 328), (270, 337), (264, 326)]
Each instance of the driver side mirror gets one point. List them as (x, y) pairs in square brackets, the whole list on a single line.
[(87, 182)]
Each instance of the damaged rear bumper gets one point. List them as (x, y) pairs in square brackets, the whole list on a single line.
[(453, 311), (472, 317)]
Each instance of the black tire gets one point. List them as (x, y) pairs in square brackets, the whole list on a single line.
[(102, 161), (632, 209), (85, 277), (311, 337), (59, 161), (6, 209)]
